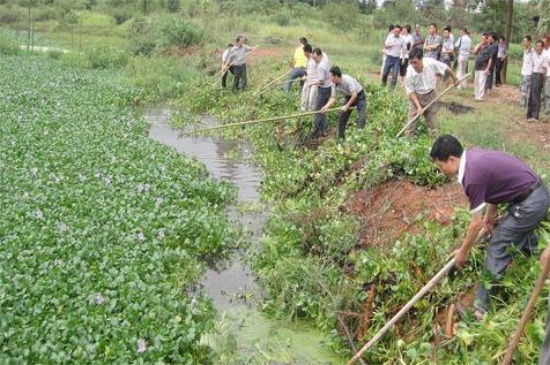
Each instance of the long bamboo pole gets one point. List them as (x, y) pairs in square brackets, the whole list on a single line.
[(264, 120), (262, 89), (409, 305), (526, 314), (429, 105)]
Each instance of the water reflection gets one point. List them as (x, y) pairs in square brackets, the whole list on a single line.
[(228, 280)]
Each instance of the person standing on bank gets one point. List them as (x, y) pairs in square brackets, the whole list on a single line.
[(395, 47), (501, 59), (354, 95), (418, 41), (298, 65), (493, 50), (236, 58), (526, 71), (226, 69), (491, 178), (324, 92), (463, 46), (420, 84), (482, 66), (408, 39), (433, 43), (537, 82)]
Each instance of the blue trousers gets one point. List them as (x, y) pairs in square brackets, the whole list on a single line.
[(392, 64), (296, 72), (320, 120)]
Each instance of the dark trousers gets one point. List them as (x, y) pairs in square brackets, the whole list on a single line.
[(361, 104), (320, 120), (239, 81), (517, 229), (224, 76), (391, 64), (535, 95), (499, 66), (296, 72)]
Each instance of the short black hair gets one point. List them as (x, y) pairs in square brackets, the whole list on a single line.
[(241, 37), (417, 53), (230, 45), (434, 25), (308, 48), (540, 41), (446, 146), (335, 71), (528, 37), (448, 29), (485, 34), (318, 51), (501, 38), (303, 40), (390, 27), (398, 26), (408, 28)]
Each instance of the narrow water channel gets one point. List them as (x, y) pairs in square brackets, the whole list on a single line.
[(232, 279)]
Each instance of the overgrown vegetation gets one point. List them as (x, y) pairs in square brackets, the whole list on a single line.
[(310, 262)]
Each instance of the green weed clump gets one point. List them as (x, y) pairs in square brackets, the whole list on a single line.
[(8, 47)]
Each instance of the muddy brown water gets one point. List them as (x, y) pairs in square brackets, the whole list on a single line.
[(230, 280)]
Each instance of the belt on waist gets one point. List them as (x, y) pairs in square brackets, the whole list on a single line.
[(525, 193)]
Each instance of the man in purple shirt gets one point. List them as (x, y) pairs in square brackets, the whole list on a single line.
[(490, 178)]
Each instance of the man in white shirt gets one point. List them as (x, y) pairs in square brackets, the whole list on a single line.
[(463, 44), (537, 77), (354, 95), (324, 91), (526, 71), (225, 67), (409, 41), (420, 84), (395, 47)]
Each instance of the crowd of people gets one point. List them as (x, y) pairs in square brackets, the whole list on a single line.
[(489, 178)]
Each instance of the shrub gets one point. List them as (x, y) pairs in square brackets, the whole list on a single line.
[(103, 57), (282, 19), (342, 16), (9, 15), (121, 15), (175, 31), (173, 6), (8, 46), (141, 37)]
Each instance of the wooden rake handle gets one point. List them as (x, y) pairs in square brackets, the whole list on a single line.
[(526, 314)]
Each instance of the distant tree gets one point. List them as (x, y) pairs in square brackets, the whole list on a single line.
[(368, 6), (544, 19)]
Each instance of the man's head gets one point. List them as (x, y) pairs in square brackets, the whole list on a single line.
[(397, 30), (302, 41), (317, 55), (390, 28), (406, 30), (464, 31), (539, 46), (433, 29), (335, 74), (415, 59), (502, 40), (417, 28), (308, 50), (446, 33), (527, 41), (240, 41), (493, 37), (230, 45), (446, 153), (484, 38)]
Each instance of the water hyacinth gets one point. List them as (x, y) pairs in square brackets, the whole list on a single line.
[(141, 346), (99, 299)]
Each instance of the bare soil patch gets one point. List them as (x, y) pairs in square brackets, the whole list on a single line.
[(399, 206)]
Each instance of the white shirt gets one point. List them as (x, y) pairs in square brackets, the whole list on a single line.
[(225, 55), (546, 62), (527, 65), (423, 83), (407, 39), (348, 85), (538, 60), (394, 46), (464, 44), (311, 71)]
